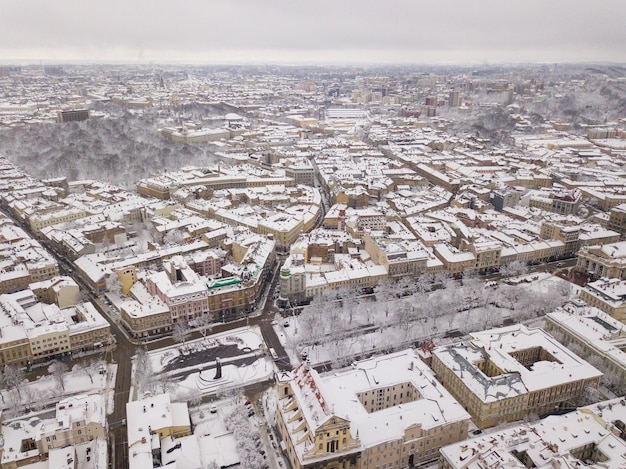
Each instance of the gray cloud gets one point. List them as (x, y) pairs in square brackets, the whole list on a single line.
[(322, 30)]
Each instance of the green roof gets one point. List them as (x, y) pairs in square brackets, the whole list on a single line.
[(224, 282)]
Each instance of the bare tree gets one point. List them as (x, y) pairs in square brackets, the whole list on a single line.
[(13, 377), (513, 269), (58, 370), (181, 331), (205, 324), (91, 367), (143, 369), (3, 385)]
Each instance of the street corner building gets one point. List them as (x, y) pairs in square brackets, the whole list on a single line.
[(387, 411)]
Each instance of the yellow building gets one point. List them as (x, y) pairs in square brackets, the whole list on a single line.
[(504, 374), (603, 261), (595, 332), (127, 277), (14, 346), (384, 412), (608, 295), (455, 261)]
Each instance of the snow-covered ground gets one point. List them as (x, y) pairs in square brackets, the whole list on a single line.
[(46, 391), (191, 369), (372, 336)]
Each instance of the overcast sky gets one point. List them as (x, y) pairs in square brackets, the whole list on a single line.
[(314, 31)]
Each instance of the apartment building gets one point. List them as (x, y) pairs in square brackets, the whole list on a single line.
[(504, 374), (608, 295), (88, 330), (36, 332), (383, 412), (144, 314), (455, 261), (41, 220), (77, 431), (590, 436), (617, 219), (399, 258), (595, 332), (150, 423), (301, 172)]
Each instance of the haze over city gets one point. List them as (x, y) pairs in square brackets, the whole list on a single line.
[(402, 31), (323, 235)]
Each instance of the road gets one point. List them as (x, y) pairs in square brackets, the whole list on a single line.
[(122, 353)]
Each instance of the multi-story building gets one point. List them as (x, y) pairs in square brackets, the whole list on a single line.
[(397, 257), (77, 432), (455, 261), (386, 411), (603, 261), (617, 219), (79, 419), (587, 437), (144, 314), (73, 115), (504, 374), (503, 198), (88, 330), (35, 332), (41, 220), (62, 291), (150, 422), (596, 333), (23, 259), (608, 295), (301, 172), (181, 289)]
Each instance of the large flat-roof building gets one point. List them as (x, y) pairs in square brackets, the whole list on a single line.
[(597, 334), (587, 437), (504, 374), (386, 411), (608, 295)]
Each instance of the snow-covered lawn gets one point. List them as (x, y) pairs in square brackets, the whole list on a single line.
[(189, 371), (47, 390), (370, 327)]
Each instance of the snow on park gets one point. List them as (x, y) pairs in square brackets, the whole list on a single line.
[(205, 366), (335, 333), (62, 381)]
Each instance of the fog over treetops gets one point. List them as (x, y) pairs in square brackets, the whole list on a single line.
[(120, 148)]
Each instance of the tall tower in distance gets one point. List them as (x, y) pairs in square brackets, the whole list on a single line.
[(454, 99)]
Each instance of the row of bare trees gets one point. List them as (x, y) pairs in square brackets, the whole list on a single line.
[(346, 320)]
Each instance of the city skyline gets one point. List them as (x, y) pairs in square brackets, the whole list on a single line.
[(403, 32)]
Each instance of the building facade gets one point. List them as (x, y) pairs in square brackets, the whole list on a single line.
[(384, 412), (504, 374)]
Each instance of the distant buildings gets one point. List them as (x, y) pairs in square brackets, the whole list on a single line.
[(75, 115)]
